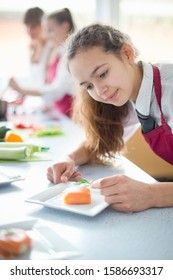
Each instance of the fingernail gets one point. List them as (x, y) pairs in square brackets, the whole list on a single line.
[(64, 178)]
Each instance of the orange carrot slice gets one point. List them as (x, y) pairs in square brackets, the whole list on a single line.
[(14, 242), (77, 195), (12, 137)]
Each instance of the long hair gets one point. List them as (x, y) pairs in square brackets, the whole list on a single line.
[(103, 123)]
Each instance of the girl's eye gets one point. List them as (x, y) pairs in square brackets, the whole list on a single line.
[(89, 87), (103, 75)]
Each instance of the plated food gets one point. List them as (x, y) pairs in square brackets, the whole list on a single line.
[(14, 242), (44, 243), (77, 195), (54, 198)]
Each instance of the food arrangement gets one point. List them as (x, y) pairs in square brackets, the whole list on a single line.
[(14, 135), (7, 135), (14, 242), (14, 146), (78, 194)]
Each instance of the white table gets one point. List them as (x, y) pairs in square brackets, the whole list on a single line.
[(108, 235)]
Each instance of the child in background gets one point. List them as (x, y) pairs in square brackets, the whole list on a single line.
[(40, 45), (58, 86), (104, 63)]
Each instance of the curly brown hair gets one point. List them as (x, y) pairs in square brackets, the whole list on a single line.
[(103, 123)]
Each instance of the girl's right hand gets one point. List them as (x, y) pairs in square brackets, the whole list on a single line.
[(62, 172)]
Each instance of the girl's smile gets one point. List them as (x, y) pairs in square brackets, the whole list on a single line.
[(107, 77)]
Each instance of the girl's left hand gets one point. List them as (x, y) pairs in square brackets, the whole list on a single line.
[(125, 194)]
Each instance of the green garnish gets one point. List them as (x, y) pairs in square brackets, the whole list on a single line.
[(49, 132), (83, 182)]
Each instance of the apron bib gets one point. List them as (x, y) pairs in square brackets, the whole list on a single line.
[(160, 138)]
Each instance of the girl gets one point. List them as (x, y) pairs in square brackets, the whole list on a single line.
[(58, 86), (103, 62)]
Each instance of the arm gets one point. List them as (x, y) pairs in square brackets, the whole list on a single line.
[(128, 195), (24, 92), (162, 194), (81, 155), (61, 85), (65, 170)]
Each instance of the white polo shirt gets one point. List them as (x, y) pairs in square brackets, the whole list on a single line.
[(146, 102)]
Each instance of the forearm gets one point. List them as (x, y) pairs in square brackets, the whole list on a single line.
[(23, 91), (162, 194), (81, 155), (26, 92)]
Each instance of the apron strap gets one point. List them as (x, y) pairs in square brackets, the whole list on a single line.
[(158, 90)]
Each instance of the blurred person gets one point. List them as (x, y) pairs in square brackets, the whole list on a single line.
[(40, 45), (58, 86)]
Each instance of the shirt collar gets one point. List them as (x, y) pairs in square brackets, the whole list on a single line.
[(143, 100), (60, 50)]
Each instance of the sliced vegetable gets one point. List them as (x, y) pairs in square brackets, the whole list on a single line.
[(77, 195), (33, 148), (17, 153), (3, 130), (12, 137), (49, 132)]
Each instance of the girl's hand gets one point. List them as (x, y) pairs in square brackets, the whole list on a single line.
[(125, 194), (61, 172)]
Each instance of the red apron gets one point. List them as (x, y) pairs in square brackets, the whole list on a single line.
[(51, 71), (64, 104), (160, 138)]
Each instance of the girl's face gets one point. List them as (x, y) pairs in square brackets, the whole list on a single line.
[(34, 31), (56, 31), (107, 77)]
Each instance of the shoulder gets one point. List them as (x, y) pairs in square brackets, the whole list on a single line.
[(166, 71)]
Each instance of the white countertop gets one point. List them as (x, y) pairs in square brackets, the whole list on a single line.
[(108, 235)]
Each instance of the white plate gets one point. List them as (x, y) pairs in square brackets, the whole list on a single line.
[(7, 177), (53, 198), (46, 243)]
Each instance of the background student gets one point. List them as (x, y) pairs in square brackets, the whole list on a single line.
[(58, 86), (40, 45)]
